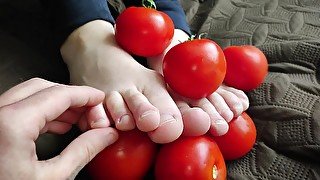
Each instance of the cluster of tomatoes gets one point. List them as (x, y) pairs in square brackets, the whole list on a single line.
[(193, 69), (134, 156)]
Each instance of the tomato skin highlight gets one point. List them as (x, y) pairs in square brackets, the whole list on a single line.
[(129, 158), (247, 67), (143, 31), (190, 158), (240, 138), (194, 69)]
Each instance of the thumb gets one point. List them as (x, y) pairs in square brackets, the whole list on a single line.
[(78, 153)]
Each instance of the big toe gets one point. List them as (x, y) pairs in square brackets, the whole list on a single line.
[(171, 126), (146, 115), (169, 130)]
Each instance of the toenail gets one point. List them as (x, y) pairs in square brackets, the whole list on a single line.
[(148, 114), (221, 127), (238, 108), (167, 119)]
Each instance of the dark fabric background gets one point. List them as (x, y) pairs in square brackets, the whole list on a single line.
[(286, 108)]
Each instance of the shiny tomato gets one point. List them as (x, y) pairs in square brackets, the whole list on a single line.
[(129, 158), (240, 138), (190, 158), (143, 31), (194, 69), (247, 67)]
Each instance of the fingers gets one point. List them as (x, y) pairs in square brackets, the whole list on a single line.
[(56, 127), (48, 104), (24, 90), (78, 153)]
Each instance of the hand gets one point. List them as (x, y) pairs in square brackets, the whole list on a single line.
[(38, 106)]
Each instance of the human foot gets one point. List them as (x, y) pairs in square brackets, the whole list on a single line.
[(212, 113), (135, 95)]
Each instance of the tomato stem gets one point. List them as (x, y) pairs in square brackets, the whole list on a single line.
[(200, 36), (149, 4), (214, 172)]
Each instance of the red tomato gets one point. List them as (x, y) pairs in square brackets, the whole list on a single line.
[(190, 158), (194, 69), (129, 158), (240, 138), (144, 31), (247, 67)]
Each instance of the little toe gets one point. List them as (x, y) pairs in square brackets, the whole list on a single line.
[(146, 115), (119, 111)]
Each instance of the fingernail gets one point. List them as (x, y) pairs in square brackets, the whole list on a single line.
[(99, 123)]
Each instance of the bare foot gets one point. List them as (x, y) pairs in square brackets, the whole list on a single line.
[(212, 113), (135, 95)]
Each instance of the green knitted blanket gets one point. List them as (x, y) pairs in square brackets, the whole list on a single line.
[(286, 108)]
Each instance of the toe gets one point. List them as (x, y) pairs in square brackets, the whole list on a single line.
[(221, 106), (171, 125), (218, 125), (240, 94), (232, 101), (196, 122), (119, 111), (146, 115)]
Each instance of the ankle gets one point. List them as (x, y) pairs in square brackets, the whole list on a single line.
[(90, 35)]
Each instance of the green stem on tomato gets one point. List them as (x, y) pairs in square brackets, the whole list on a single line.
[(149, 4), (200, 36)]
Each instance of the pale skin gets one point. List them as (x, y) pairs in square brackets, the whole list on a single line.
[(38, 106), (137, 96)]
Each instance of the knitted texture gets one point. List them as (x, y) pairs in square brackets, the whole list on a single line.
[(286, 107)]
